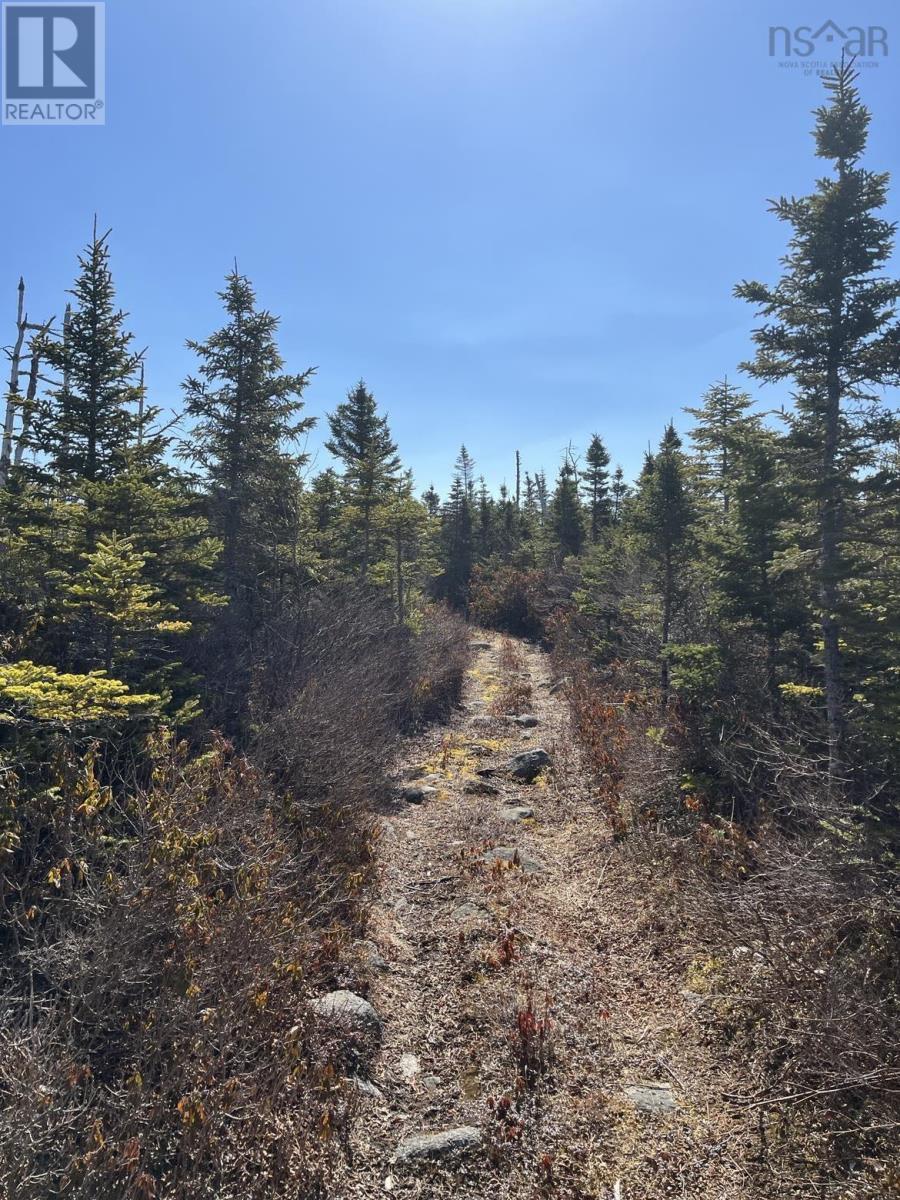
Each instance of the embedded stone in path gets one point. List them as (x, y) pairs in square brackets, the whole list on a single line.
[(516, 813), (528, 765), (409, 1066), (524, 720), (417, 793), (447, 1142), (348, 1009), (652, 1097), (514, 857), (470, 912), (481, 787)]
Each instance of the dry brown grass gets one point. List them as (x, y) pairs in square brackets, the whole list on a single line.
[(156, 1040)]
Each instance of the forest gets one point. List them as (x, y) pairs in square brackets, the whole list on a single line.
[(215, 661)]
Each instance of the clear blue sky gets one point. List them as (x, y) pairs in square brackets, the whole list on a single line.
[(519, 220)]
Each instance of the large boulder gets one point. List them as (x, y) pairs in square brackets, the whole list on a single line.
[(420, 1146), (348, 1010), (528, 765)]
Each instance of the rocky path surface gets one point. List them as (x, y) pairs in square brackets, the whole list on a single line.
[(532, 1042)]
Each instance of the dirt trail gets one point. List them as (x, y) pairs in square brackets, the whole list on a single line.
[(460, 945)]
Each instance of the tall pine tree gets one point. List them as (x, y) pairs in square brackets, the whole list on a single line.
[(831, 327)]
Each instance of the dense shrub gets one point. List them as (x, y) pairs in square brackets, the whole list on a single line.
[(510, 599), (156, 1039)]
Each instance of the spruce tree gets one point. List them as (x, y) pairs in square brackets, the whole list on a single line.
[(465, 469), (662, 517), (90, 421), (722, 424), (245, 410), (566, 515), (432, 501), (361, 439), (457, 542), (618, 494), (830, 326), (595, 488)]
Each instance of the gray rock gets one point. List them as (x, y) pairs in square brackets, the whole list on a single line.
[(486, 772), (516, 813), (528, 765), (372, 957), (347, 1009), (525, 721), (409, 1066), (469, 912), (480, 645), (652, 1097), (513, 856), (481, 787), (420, 1146), (366, 1087), (416, 793)]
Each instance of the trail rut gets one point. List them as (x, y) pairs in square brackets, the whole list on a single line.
[(520, 993)]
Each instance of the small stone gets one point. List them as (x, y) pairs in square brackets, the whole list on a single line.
[(437, 1145), (486, 772), (366, 1087), (431, 1084), (481, 787), (652, 1097), (469, 912), (514, 857), (389, 1183), (481, 645), (528, 765), (525, 721), (409, 1066), (516, 813), (372, 957), (417, 793), (348, 1009)]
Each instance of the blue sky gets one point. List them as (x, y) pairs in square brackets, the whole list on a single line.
[(519, 220)]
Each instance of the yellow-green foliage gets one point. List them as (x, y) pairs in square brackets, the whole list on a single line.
[(28, 690)]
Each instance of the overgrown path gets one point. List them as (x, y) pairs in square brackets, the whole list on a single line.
[(528, 1018)]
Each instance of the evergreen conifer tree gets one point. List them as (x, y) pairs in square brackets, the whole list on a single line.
[(831, 327)]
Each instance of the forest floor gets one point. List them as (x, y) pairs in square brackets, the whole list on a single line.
[(537, 1007)]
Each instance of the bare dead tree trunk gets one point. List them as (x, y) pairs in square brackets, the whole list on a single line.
[(12, 394), (30, 402), (518, 480)]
